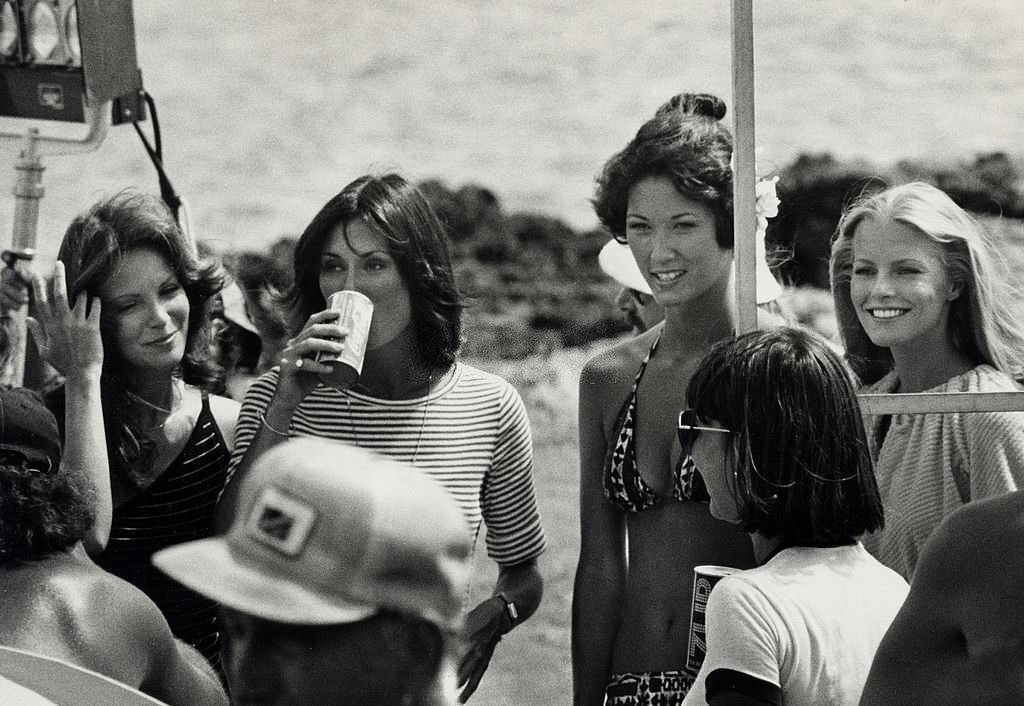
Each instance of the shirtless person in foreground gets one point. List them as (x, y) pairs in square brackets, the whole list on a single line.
[(56, 601), (959, 638)]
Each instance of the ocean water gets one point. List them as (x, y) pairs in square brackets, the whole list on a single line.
[(269, 107)]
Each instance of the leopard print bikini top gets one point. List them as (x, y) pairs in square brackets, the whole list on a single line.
[(624, 487)]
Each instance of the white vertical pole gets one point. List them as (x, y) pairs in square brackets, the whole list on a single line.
[(744, 198)]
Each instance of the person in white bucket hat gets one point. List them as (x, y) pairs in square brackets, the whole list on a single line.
[(341, 579), (634, 300)]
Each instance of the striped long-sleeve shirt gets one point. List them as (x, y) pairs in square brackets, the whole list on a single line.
[(471, 434)]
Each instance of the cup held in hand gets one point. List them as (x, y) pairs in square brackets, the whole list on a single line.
[(355, 312)]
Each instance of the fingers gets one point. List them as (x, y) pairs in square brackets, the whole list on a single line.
[(309, 346), (324, 316), (95, 310), (291, 363), (472, 669), (327, 331), (87, 309), (42, 296), (35, 330), (60, 287)]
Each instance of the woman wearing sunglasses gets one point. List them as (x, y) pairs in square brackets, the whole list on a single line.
[(776, 431), (668, 196)]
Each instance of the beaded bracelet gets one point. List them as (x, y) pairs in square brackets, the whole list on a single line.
[(265, 423)]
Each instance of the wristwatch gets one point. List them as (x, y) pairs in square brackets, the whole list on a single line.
[(511, 612)]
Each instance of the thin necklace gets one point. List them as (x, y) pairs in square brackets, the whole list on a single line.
[(177, 395), (423, 419)]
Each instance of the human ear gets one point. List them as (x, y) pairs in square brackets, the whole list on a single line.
[(956, 288)]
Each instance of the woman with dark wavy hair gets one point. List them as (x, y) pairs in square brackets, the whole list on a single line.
[(167, 439), (644, 520), (413, 400)]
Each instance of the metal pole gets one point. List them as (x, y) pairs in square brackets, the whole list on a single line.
[(28, 190), (744, 197)]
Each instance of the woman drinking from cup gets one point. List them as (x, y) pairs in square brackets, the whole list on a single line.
[(412, 399)]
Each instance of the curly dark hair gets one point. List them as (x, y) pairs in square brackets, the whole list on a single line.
[(416, 240), (42, 512), (684, 141), (803, 472), (93, 247)]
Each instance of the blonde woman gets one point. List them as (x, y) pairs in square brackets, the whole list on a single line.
[(920, 298)]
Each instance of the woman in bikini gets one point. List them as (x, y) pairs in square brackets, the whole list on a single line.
[(668, 194)]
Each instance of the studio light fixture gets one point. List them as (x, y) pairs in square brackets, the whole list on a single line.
[(59, 56)]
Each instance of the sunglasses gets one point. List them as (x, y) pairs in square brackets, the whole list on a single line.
[(689, 428)]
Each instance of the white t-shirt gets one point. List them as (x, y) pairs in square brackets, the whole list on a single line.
[(804, 626)]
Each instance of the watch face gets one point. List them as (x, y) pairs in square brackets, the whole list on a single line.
[(510, 608)]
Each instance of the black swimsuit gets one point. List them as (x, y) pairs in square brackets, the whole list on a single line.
[(624, 487)]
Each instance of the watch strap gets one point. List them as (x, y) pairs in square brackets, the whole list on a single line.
[(511, 612)]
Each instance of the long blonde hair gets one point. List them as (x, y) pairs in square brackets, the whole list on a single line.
[(983, 321)]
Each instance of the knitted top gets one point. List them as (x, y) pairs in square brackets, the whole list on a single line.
[(927, 465)]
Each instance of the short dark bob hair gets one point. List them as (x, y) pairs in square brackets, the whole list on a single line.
[(42, 511), (416, 240), (802, 470), (684, 141)]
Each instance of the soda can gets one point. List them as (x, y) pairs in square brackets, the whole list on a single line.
[(355, 312), (704, 579)]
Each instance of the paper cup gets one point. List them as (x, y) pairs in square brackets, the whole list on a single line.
[(355, 312), (704, 579)]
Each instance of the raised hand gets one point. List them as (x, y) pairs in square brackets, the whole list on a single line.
[(298, 367), (68, 338)]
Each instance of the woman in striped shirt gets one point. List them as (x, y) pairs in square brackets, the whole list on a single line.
[(167, 439), (413, 400)]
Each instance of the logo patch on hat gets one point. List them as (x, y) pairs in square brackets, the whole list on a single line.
[(280, 521)]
